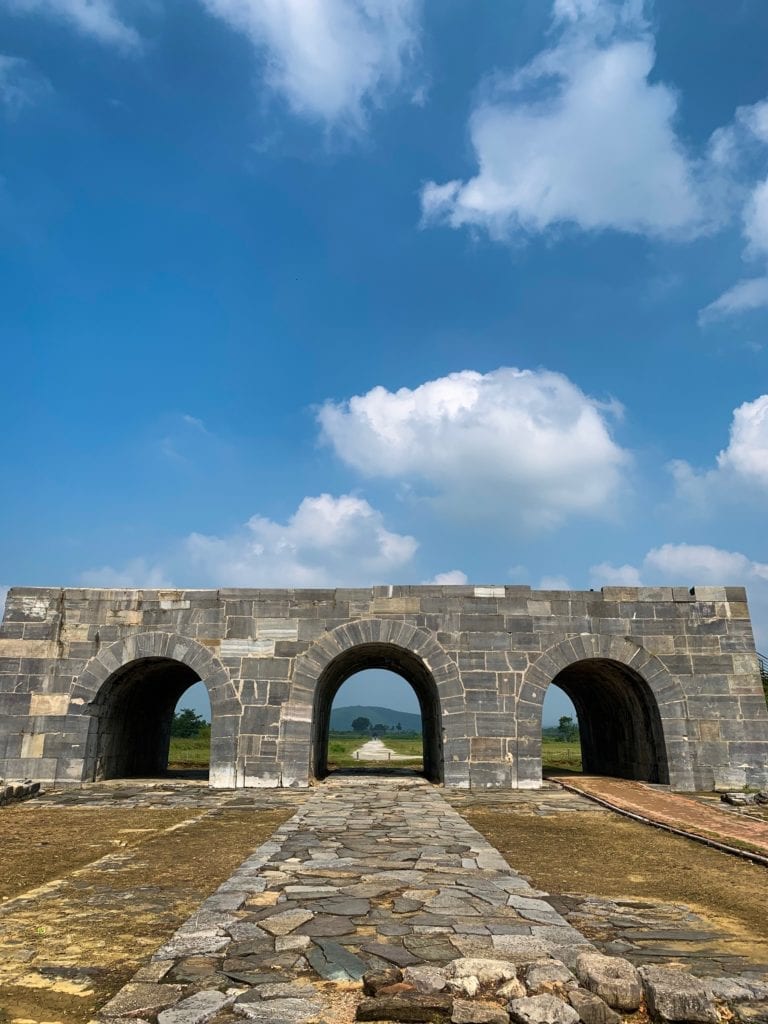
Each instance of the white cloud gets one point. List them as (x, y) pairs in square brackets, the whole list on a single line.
[(554, 583), (702, 563), (328, 541), (735, 148), (696, 564), (756, 219), (746, 295), (607, 575), (20, 85), (136, 573), (747, 451), (578, 136), (743, 464), (452, 578), (96, 18), (331, 60), (516, 445)]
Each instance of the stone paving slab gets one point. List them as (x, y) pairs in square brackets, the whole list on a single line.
[(366, 875), (652, 931), (659, 804)]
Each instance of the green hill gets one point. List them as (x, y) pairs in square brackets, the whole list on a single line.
[(342, 718)]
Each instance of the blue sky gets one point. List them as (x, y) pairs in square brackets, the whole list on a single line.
[(360, 291)]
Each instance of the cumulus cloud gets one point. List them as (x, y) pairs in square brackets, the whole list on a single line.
[(607, 575), (452, 578), (743, 463), (703, 563), (578, 136), (518, 445), (331, 60), (96, 18), (328, 541), (692, 564), (136, 573), (741, 147), (20, 85)]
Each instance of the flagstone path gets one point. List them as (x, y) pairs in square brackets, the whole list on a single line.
[(367, 874)]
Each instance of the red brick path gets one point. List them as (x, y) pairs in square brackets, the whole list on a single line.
[(682, 812)]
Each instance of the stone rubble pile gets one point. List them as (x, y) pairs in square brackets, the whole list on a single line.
[(742, 799), (11, 791), (600, 990)]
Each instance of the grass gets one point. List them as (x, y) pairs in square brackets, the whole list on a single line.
[(189, 753), (341, 749), (557, 756), (195, 753)]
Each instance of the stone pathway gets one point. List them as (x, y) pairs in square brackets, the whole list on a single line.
[(369, 874), (658, 804)]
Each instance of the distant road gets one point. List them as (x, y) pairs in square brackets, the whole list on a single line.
[(376, 750)]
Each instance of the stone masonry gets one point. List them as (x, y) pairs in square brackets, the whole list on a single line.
[(665, 680)]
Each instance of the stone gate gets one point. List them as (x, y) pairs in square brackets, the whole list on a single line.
[(665, 680)]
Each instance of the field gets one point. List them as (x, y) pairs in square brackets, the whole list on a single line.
[(194, 753), (340, 750), (558, 757), (189, 753)]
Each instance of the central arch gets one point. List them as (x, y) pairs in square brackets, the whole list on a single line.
[(392, 644), (394, 659)]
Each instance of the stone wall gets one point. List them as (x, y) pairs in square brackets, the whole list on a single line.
[(665, 680)]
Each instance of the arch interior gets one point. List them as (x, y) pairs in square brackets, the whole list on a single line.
[(134, 710), (619, 721), (393, 659)]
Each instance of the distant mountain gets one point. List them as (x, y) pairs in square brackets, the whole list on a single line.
[(342, 718)]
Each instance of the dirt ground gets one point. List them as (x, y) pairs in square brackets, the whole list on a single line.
[(86, 895), (604, 855)]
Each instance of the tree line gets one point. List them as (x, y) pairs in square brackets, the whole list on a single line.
[(365, 727)]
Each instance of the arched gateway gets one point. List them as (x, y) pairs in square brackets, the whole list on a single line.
[(665, 681)]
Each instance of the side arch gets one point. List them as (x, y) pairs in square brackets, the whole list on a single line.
[(632, 710), (150, 652), (407, 650)]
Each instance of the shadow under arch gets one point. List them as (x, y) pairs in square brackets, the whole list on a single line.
[(391, 644), (619, 722), (130, 689), (626, 701)]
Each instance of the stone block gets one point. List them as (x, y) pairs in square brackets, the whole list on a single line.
[(613, 979), (676, 996)]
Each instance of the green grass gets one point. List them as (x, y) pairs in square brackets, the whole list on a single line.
[(557, 756), (195, 752), (341, 749)]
